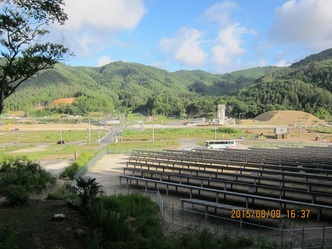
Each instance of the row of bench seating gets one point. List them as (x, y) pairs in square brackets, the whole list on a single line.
[(251, 156), (255, 174), (207, 173)]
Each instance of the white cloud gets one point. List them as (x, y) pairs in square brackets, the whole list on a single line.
[(104, 14), (220, 52), (221, 12), (85, 44), (303, 21), (92, 25), (185, 47), (283, 63), (103, 61), (228, 45)]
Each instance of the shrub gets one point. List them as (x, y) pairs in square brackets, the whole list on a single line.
[(88, 190), (70, 171), (126, 221), (75, 166), (264, 243), (8, 236), (20, 177), (245, 242), (16, 195), (228, 130), (61, 193)]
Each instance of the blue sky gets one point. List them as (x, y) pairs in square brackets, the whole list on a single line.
[(214, 36)]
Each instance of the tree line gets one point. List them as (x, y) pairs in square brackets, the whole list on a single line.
[(250, 102), (130, 87)]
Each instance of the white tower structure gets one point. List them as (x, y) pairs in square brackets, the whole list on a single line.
[(221, 114)]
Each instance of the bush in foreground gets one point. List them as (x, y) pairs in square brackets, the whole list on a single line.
[(21, 177), (132, 221), (75, 166)]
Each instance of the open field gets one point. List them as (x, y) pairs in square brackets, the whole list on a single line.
[(38, 141), (46, 127)]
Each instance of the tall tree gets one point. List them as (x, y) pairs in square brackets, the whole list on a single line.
[(23, 53)]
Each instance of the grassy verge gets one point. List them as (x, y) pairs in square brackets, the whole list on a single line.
[(325, 130), (49, 152), (24, 137), (182, 133), (77, 165)]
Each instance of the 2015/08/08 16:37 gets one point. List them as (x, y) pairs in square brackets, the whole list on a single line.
[(269, 214)]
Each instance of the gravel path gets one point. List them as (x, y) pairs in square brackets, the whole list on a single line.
[(107, 171)]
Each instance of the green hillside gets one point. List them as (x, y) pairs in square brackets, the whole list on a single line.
[(123, 85), (223, 84), (304, 86), (324, 55), (61, 82), (132, 87)]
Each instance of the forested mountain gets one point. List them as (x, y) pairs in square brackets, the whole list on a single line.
[(223, 84), (324, 55), (305, 86), (121, 86)]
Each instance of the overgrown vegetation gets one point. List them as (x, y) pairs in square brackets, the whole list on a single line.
[(76, 165), (26, 137), (126, 221), (207, 240), (229, 131), (88, 190), (20, 177), (180, 133), (326, 130), (132, 221), (8, 235)]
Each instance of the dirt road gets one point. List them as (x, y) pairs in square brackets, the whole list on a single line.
[(107, 171)]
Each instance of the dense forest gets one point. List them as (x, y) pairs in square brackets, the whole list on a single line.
[(130, 87)]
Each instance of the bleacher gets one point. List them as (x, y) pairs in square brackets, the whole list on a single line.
[(284, 178)]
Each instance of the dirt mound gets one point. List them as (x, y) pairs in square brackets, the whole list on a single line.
[(64, 101), (290, 118), (266, 116)]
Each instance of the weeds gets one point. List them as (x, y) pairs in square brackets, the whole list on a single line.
[(75, 166), (8, 235), (21, 177)]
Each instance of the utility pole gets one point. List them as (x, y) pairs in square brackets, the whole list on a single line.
[(215, 131), (301, 130), (89, 130), (152, 128)]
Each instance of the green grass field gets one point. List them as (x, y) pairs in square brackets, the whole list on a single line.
[(28, 137), (181, 133), (48, 152), (168, 138), (41, 145)]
